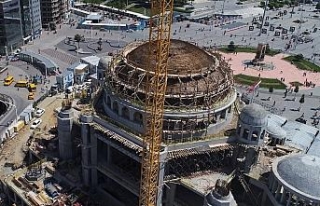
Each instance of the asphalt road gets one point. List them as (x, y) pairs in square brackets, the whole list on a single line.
[(20, 105)]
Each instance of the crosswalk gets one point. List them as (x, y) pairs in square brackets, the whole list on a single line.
[(66, 58)]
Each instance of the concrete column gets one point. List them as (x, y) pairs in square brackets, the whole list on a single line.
[(65, 123), (94, 159), (278, 191), (289, 199), (163, 156), (170, 194)]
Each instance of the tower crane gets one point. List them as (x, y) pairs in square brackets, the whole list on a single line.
[(156, 83)]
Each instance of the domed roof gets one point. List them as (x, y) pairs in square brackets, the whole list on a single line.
[(184, 58), (103, 63), (253, 114), (302, 172), (276, 131)]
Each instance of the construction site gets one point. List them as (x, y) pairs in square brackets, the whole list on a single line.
[(166, 127)]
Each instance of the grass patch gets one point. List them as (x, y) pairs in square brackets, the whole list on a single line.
[(270, 52), (93, 1), (265, 82), (117, 4), (303, 64), (141, 10), (182, 10)]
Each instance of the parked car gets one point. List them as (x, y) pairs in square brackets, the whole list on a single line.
[(39, 112), (36, 123)]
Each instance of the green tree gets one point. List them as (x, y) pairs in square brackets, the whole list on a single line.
[(78, 38), (231, 46), (318, 6), (298, 57)]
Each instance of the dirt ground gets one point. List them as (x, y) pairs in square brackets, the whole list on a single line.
[(14, 150)]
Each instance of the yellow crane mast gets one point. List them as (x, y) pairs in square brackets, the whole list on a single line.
[(156, 83)]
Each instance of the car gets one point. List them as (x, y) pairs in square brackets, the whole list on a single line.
[(39, 112), (31, 96), (36, 123)]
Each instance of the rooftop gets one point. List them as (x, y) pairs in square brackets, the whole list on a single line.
[(93, 60), (203, 183), (300, 172), (184, 58), (47, 62)]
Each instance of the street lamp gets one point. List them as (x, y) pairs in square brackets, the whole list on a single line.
[(12, 105)]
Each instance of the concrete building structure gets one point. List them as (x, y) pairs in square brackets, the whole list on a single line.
[(65, 123), (31, 18), (199, 165), (295, 180), (11, 32), (199, 104), (21, 22), (65, 80), (92, 61), (52, 12)]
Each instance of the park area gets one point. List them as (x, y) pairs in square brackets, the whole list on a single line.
[(284, 69)]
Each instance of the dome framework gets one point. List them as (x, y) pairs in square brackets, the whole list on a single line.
[(199, 93), (196, 79)]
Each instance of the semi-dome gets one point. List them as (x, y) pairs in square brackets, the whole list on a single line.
[(300, 172), (103, 63), (253, 114), (276, 131)]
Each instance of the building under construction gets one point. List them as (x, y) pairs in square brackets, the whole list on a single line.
[(198, 105), (201, 160)]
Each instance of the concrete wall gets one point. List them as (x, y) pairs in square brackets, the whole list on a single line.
[(65, 123)]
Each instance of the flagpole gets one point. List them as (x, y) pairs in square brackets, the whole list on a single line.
[(255, 86)]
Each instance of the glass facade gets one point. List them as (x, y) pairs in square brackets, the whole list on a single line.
[(10, 26)]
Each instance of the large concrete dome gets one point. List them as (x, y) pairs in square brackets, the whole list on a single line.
[(195, 77), (184, 58), (199, 93), (300, 173)]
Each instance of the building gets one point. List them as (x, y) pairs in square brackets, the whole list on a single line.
[(199, 104), (11, 32), (53, 12), (31, 18), (92, 61), (65, 80), (21, 22)]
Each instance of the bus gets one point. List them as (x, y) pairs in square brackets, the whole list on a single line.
[(8, 81), (22, 84)]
